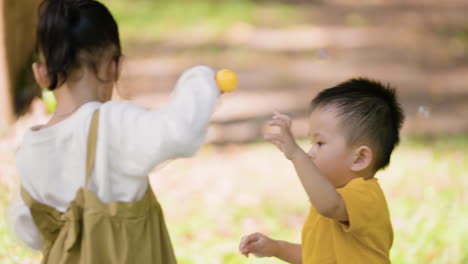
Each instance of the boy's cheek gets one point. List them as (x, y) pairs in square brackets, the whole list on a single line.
[(318, 164), (325, 167)]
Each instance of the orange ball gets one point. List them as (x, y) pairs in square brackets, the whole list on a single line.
[(226, 80)]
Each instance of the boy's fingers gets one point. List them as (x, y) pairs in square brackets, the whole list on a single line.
[(244, 241), (273, 121), (282, 117), (276, 112), (277, 144), (249, 239), (272, 136), (255, 248), (276, 122), (285, 120), (285, 128), (241, 244), (248, 248), (246, 244)]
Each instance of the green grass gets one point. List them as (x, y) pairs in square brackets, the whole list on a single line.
[(428, 200), (461, 39), (214, 199), (146, 20), (11, 250)]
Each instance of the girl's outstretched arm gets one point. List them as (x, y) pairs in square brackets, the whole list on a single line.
[(143, 138)]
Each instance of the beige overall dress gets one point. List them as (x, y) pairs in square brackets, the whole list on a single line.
[(91, 231)]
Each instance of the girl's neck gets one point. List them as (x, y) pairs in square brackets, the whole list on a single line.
[(70, 97), (73, 94)]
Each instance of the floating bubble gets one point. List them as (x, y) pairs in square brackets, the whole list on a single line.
[(424, 111), (323, 54)]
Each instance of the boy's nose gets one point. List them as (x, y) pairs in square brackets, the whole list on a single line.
[(311, 152)]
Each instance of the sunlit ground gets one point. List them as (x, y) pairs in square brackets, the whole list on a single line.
[(215, 198)]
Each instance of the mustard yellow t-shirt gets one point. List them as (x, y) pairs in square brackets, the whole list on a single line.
[(367, 238)]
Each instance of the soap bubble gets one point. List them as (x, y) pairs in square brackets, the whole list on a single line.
[(323, 54), (424, 111)]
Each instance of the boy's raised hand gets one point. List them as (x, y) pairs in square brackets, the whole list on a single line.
[(257, 244), (284, 140)]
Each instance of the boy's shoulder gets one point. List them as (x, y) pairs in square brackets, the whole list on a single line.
[(362, 187), (366, 205), (362, 182), (364, 196)]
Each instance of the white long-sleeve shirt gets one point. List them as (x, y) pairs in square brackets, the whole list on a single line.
[(131, 141)]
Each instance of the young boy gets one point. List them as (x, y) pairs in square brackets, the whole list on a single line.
[(354, 128)]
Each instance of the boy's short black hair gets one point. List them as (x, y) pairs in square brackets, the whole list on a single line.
[(369, 112)]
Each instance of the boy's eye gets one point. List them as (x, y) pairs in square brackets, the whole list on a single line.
[(320, 143)]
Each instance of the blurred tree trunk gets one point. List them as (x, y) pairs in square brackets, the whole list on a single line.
[(17, 39), (6, 110)]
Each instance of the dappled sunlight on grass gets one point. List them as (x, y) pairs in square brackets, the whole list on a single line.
[(156, 20), (285, 53), (11, 250), (226, 193), (223, 193), (426, 187), (215, 198)]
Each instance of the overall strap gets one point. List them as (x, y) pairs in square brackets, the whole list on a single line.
[(92, 139), (27, 198)]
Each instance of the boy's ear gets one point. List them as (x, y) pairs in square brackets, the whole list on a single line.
[(40, 74), (362, 159)]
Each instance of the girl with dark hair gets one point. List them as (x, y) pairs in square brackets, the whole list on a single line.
[(85, 196)]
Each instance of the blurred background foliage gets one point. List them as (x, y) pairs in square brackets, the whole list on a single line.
[(284, 53)]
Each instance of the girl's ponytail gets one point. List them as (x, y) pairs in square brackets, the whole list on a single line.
[(68, 28), (54, 39)]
